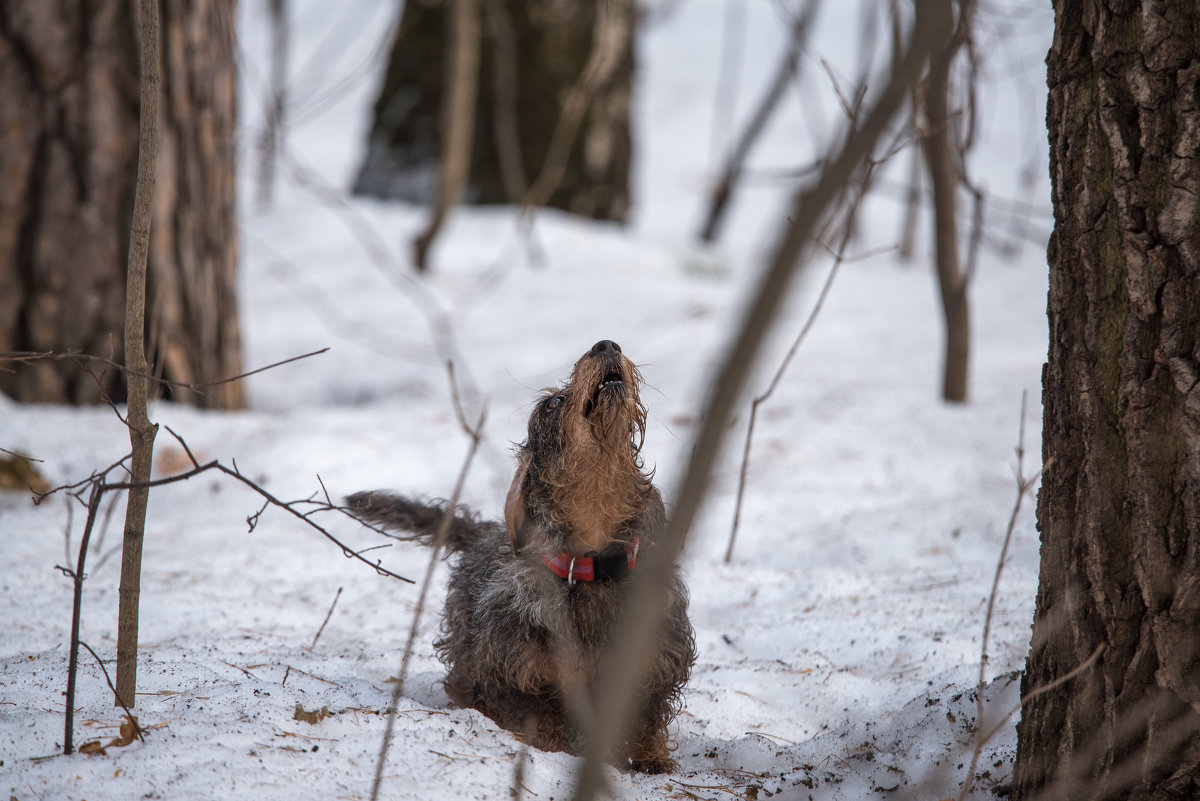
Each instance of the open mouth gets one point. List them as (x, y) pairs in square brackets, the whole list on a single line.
[(610, 381)]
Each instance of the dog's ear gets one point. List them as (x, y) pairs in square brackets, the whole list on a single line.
[(514, 508)]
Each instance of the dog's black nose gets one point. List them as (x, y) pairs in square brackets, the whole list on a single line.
[(604, 346)]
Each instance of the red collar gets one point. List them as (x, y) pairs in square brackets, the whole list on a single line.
[(593, 567)]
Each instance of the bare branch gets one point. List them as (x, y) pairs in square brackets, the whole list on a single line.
[(475, 435), (734, 165), (268, 500), (1079, 669), (22, 456), (839, 258), (328, 615), (137, 730), (25, 357), (1023, 487), (77, 577)]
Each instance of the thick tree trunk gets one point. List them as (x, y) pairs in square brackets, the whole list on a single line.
[(68, 148), (192, 326), (551, 41), (68, 152), (1119, 508)]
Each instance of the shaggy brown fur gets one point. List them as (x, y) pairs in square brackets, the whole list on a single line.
[(522, 644)]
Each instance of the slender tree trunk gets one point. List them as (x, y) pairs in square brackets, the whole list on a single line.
[(68, 146), (1119, 508), (141, 430), (943, 177)]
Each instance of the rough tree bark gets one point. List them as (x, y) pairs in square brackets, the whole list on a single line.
[(552, 41), (1119, 508), (68, 146)]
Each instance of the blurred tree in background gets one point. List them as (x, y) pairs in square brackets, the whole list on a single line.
[(68, 156), (537, 58)]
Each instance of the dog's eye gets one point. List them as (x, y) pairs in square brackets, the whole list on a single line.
[(552, 403)]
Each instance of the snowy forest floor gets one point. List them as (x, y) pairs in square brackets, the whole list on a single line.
[(839, 651)]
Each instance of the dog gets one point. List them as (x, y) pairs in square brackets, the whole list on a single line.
[(534, 603)]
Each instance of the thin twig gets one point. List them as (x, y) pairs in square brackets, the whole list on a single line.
[(25, 357), (270, 499), (328, 615), (767, 105), (1045, 688), (1024, 485), (839, 258), (77, 576), (290, 669), (475, 434), (271, 366), (132, 720), (627, 655), (22, 456)]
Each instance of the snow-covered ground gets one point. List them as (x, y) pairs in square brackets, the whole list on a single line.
[(839, 651)]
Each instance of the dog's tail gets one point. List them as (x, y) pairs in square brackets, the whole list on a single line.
[(414, 519)]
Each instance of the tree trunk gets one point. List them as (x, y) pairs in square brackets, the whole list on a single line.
[(68, 152), (944, 179), (192, 326), (1119, 508), (553, 40), (68, 149), (141, 430)]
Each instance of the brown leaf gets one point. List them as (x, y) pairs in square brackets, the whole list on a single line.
[(129, 733), (314, 717), (92, 747)]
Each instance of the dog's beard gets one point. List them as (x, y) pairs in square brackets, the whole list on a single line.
[(604, 391), (599, 482)]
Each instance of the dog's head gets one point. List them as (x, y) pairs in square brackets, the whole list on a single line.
[(579, 473)]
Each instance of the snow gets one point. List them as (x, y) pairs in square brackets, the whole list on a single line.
[(839, 651)]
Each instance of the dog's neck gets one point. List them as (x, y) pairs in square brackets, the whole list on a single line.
[(593, 507), (616, 561)]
